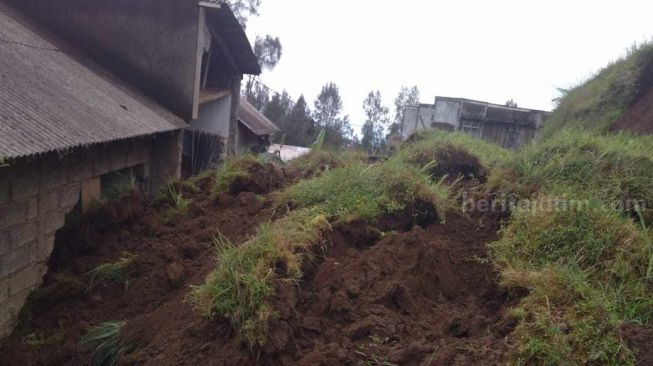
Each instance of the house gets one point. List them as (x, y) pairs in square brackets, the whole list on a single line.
[(204, 140), (507, 126), (188, 55), (94, 88)]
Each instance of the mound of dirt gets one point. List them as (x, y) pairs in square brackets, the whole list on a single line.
[(414, 297), (452, 163), (408, 299), (262, 178), (169, 258)]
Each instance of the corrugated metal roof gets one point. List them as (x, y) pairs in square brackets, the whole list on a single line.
[(254, 120), (54, 98), (223, 21)]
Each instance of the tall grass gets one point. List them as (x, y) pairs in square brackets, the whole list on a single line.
[(587, 266), (617, 169), (596, 104), (107, 343), (111, 273)]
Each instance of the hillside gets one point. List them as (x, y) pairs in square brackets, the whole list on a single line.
[(618, 97), (452, 251)]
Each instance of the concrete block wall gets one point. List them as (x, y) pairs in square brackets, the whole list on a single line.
[(36, 195)]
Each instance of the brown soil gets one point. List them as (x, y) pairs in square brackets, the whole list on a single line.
[(262, 178), (639, 117), (170, 257), (417, 297), (640, 339), (408, 298)]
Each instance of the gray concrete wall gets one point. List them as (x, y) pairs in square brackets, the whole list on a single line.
[(152, 44), (447, 112), (37, 194), (214, 117)]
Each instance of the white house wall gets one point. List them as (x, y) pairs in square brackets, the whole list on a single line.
[(214, 117)]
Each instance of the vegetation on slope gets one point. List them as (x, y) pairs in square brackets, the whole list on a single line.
[(600, 101), (240, 287), (578, 241), (586, 269)]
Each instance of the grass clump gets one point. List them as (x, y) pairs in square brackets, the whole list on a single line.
[(112, 273), (233, 168), (586, 274), (172, 195), (617, 169), (240, 287), (318, 161), (108, 343), (564, 321), (600, 101), (367, 191), (423, 147)]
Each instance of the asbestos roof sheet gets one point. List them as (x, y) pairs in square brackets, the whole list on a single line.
[(54, 98), (254, 120)]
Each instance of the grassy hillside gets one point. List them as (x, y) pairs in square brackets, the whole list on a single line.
[(601, 100)]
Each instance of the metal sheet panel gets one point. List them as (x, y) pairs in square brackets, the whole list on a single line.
[(53, 98)]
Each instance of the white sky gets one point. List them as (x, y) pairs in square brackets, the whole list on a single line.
[(477, 49)]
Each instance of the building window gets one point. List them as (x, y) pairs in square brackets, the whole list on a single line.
[(472, 128)]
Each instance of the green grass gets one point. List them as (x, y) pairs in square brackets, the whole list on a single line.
[(111, 273), (617, 169), (107, 343), (172, 195), (596, 104), (232, 169), (368, 191), (586, 272), (240, 287), (427, 143), (317, 161)]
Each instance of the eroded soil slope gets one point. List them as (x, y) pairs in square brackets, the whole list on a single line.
[(420, 297)]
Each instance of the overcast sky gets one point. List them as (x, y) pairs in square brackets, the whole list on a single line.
[(477, 49)]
